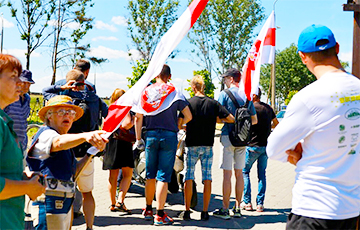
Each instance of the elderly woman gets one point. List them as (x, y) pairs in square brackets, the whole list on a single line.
[(51, 155), (13, 183)]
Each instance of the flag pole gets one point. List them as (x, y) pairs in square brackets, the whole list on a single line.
[(273, 73)]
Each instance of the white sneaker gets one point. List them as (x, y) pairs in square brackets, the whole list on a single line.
[(260, 208), (247, 207)]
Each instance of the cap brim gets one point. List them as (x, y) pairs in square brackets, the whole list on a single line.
[(79, 111)]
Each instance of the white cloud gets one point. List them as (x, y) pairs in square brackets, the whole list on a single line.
[(7, 24), (71, 25), (346, 57), (119, 20), (104, 26), (104, 52), (107, 82), (20, 53), (183, 60), (102, 38)]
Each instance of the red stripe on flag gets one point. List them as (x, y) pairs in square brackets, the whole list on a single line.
[(196, 7), (270, 37), (115, 115)]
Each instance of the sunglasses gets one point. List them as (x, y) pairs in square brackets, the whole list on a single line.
[(63, 112)]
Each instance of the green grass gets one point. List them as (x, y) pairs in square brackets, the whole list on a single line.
[(36, 103)]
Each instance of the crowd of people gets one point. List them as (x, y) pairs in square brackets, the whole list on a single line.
[(319, 134)]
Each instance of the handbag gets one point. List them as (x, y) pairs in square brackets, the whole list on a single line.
[(125, 135)]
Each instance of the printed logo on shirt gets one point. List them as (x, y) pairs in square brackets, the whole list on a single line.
[(352, 152), (341, 139), (352, 114), (342, 127)]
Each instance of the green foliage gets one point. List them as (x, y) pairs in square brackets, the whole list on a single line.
[(209, 86), (138, 70), (66, 45), (149, 21), (223, 33), (290, 96), (32, 23), (85, 24), (291, 74)]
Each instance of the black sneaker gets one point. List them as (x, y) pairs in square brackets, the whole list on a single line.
[(205, 215), (222, 213), (236, 212), (185, 215)]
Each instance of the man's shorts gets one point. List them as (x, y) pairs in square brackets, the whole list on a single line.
[(160, 150), (193, 154), (85, 182), (231, 157)]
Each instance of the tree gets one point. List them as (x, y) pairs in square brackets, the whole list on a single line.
[(291, 74), (138, 70), (32, 23), (209, 86), (63, 48), (223, 33), (149, 21)]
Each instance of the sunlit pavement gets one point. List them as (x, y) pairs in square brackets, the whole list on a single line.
[(280, 179)]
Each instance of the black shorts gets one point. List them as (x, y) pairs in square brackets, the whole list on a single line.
[(118, 154), (296, 222)]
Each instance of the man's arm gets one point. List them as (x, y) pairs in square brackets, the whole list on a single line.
[(274, 122), (254, 119), (138, 125), (187, 115), (229, 119), (296, 125)]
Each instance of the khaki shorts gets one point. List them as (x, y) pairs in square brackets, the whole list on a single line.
[(231, 156), (85, 182)]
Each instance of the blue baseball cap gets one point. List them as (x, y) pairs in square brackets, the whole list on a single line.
[(26, 76), (311, 35)]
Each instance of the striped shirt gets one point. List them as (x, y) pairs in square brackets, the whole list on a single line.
[(19, 111)]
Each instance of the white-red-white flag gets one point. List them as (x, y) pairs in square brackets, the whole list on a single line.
[(132, 98), (261, 52)]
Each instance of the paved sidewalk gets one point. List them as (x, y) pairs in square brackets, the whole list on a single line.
[(280, 179)]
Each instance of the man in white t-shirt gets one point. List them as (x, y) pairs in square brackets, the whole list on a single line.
[(323, 122)]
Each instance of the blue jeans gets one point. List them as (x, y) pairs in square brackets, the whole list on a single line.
[(160, 150), (253, 154)]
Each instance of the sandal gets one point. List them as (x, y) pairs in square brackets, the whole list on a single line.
[(122, 208), (114, 208)]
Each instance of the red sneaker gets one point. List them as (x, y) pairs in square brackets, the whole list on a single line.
[(165, 220), (148, 214)]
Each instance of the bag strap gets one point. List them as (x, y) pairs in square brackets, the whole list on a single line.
[(233, 99)]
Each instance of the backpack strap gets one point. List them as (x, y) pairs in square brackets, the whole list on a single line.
[(233, 99)]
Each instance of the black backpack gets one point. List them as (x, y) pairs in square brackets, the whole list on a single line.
[(240, 134), (80, 126)]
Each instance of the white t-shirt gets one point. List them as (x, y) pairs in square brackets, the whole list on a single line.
[(43, 146), (326, 116)]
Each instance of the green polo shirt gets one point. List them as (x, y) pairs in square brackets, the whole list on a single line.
[(11, 167)]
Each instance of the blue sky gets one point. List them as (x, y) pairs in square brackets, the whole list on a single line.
[(109, 39)]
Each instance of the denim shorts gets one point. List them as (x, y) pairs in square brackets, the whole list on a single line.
[(160, 150), (193, 154)]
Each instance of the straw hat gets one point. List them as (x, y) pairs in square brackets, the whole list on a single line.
[(61, 101)]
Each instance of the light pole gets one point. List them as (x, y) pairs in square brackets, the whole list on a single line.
[(273, 72), (2, 32), (354, 5)]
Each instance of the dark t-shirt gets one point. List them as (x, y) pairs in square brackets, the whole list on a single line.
[(261, 131), (167, 119), (200, 130)]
